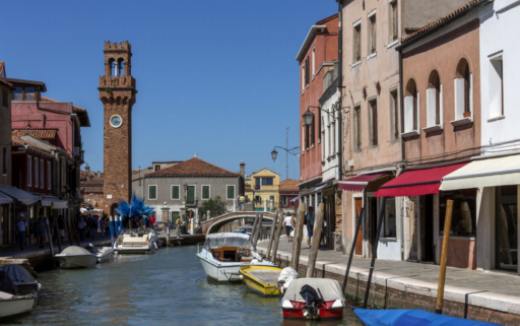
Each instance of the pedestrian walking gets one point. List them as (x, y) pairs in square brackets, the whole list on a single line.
[(309, 223), (21, 227), (287, 222)]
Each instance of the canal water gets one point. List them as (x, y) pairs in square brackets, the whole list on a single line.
[(167, 288)]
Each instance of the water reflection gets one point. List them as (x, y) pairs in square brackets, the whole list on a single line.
[(168, 288)]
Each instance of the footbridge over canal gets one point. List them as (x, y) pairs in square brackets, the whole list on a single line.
[(231, 221)]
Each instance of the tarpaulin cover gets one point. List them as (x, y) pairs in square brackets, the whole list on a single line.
[(228, 239), (417, 317), (417, 182), (329, 289), (15, 279), (359, 182), (74, 251)]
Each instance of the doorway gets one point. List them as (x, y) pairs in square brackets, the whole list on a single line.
[(427, 245), (506, 228), (358, 204), (329, 221)]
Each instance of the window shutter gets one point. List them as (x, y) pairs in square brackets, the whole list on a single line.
[(441, 105), (408, 113), (431, 105), (471, 94), (459, 98)]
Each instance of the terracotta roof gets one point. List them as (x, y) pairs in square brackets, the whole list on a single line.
[(438, 23), (289, 185), (44, 134), (194, 167)]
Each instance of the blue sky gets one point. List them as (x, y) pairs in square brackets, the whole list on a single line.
[(215, 78)]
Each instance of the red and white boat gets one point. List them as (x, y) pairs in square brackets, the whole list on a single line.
[(313, 298)]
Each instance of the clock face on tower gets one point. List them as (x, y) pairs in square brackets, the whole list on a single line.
[(116, 121)]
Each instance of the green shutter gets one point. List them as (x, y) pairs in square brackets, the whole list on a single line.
[(230, 192), (152, 192), (191, 195), (205, 192), (175, 192)]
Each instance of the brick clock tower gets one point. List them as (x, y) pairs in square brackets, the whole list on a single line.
[(117, 93)]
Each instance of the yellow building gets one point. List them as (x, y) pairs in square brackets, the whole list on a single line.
[(262, 189)]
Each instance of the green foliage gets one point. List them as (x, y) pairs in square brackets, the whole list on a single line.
[(216, 206)]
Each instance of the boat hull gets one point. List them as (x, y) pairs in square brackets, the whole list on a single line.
[(17, 305), (264, 285), (219, 271), (105, 255), (82, 261), (122, 250), (323, 314)]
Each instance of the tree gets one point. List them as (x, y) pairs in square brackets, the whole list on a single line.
[(215, 206)]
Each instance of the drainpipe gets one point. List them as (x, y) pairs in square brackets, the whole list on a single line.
[(340, 86), (403, 156)]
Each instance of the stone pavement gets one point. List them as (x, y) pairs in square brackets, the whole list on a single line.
[(487, 289)]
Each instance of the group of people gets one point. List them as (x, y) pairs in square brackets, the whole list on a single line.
[(39, 230), (289, 223)]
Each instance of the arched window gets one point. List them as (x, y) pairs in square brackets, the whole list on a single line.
[(434, 100), (463, 91), (411, 107), (121, 67), (113, 67)]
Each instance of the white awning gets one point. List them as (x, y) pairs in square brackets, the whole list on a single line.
[(54, 202), (4, 200), (20, 195), (491, 172)]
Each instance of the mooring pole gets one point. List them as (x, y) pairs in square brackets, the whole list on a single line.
[(374, 249), (271, 235), (359, 222), (277, 235), (315, 244), (258, 231), (254, 228), (298, 235), (439, 303)]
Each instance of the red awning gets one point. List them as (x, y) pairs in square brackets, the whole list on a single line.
[(417, 182), (359, 182)]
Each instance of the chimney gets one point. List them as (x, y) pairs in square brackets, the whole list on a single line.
[(243, 169)]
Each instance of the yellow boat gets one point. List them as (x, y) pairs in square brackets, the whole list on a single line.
[(262, 279)]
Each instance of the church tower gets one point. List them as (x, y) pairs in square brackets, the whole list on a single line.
[(117, 93)]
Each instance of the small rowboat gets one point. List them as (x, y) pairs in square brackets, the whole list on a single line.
[(262, 279), (398, 317)]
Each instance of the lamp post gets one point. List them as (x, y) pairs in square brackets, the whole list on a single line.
[(293, 151)]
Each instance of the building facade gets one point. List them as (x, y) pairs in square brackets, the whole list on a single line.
[(289, 195), (263, 190)]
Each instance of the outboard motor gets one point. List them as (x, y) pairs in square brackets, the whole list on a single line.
[(313, 300), (287, 275)]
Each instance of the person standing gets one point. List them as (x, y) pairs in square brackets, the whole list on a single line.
[(287, 222), (21, 227), (309, 222)]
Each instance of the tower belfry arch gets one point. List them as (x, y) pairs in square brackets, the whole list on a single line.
[(117, 90)]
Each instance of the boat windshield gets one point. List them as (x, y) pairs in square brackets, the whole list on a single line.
[(227, 240)]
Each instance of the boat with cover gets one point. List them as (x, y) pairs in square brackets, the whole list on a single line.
[(142, 241), (398, 317), (223, 254), (313, 298), (262, 279), (18, 290), (76, 257)]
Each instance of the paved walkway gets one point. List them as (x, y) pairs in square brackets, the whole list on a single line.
[(493, 290)]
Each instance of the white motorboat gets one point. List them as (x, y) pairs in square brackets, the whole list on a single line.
[(223, 254), (18, 290), (76, 257), (136, 242)]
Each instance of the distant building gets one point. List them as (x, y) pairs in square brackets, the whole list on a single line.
[(185, 186), (262, 189), (92, 189), (5, 151), (289, 191)]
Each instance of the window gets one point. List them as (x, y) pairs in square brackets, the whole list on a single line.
[(36, 173), (357, 128), (411, 107), (113, 67), (372, 30), (49, 175), (394, 120), (263, 181), (4, 160), (152, 192), (433, 100), (496, 86), (322, 133), (357, 43), (29, 171), (121, 67), (373, 126), (310, 133), (190, 195), (205, 192), (303, 78), (175, 192), (506, 226), (390, 221), (313, 62), (463, 91), (464, 212), (230, 192), (18, 93), (307, 72), (393, 20)]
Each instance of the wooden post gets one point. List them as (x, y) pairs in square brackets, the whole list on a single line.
[(315, 244), (298, 235), (279, 227), (253, 230), (353, 248), (439, 303), (272, 235), (375, 244), (258, 231)]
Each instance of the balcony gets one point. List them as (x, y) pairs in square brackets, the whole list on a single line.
[(123, 82)]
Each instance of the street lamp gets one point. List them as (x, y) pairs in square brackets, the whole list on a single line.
[(274, 154), (308, 117), (293, 151)]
